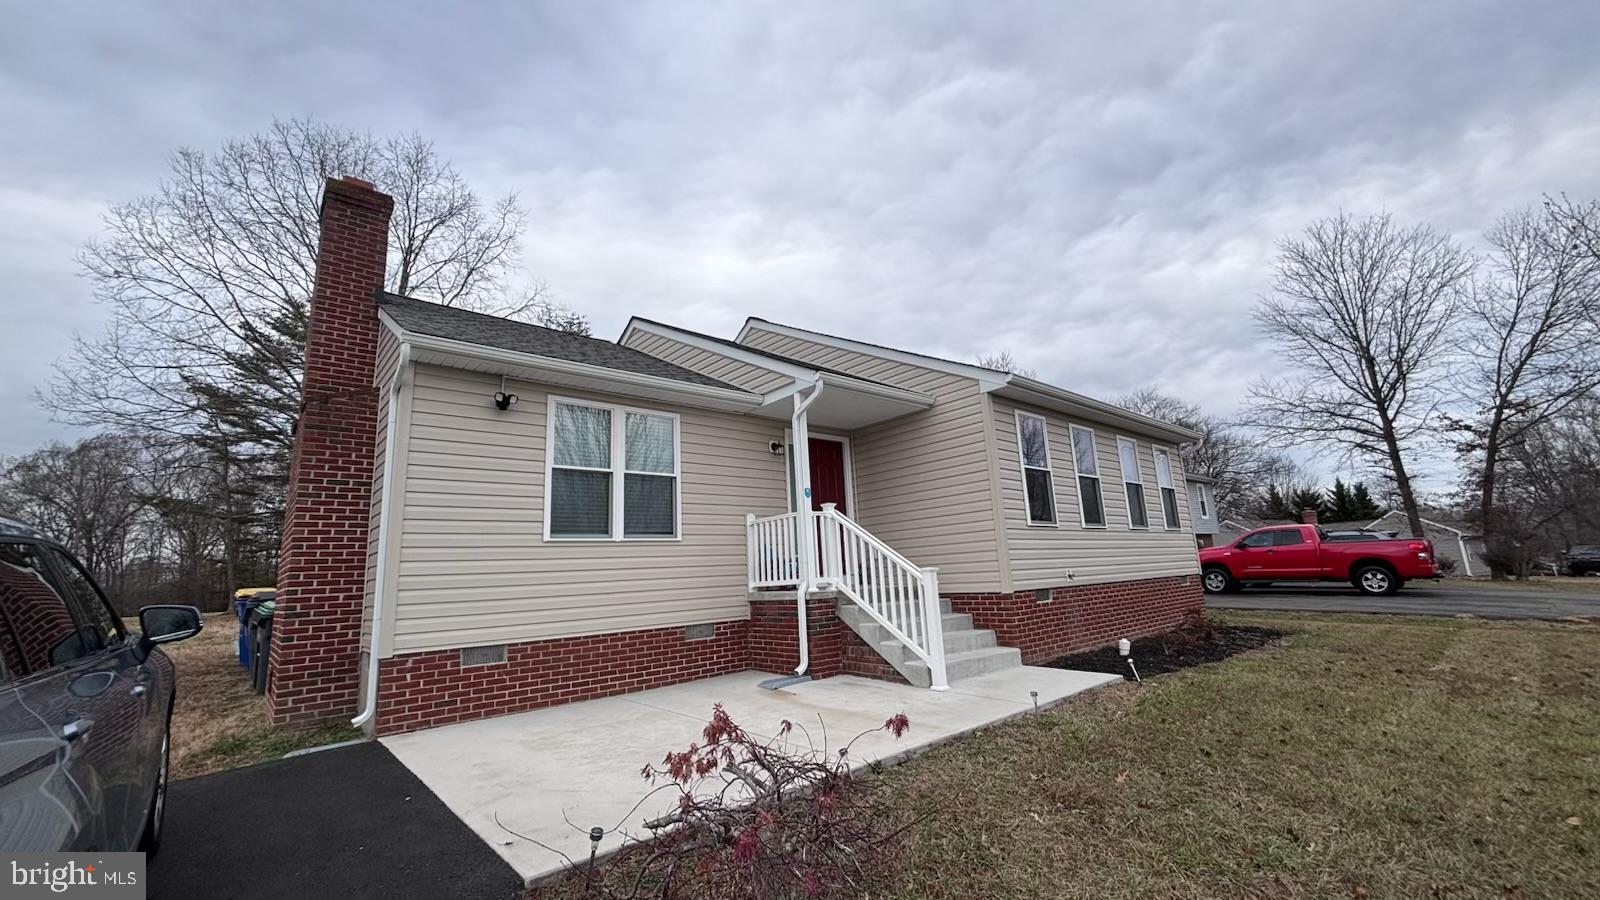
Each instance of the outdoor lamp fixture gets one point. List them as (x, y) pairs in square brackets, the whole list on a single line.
[(504, 399), (1125, 648), (776, 447)]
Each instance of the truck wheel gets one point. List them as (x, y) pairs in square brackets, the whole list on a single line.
[(1217, 580), (1376, 581)]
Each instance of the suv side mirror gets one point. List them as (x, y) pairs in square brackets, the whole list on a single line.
[(165, 624)]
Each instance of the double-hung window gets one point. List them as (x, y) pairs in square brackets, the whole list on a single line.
[(1169, 494), (1090, 500), (1132, 483), (1037, 482), (613, 473), (1203, 492)]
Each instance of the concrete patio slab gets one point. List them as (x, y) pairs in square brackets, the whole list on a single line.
[(552, 774)]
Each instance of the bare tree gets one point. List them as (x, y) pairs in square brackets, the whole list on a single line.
[(1530, 349), (1362, 308), (1003, 361), (83, 495), (1241, 467), (209, 280)]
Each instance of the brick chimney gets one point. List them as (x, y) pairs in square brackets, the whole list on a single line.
[(1308, 516), (322, 561)]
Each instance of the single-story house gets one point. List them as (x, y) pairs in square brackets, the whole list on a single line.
[(1202, 507), (1453, 544), (486, 516)]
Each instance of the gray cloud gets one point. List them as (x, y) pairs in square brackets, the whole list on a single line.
[(1097, 187)]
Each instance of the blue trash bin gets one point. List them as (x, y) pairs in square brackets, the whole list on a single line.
[(241, 610)]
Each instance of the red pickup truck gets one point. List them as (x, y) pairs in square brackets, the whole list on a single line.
[(1375, 565)]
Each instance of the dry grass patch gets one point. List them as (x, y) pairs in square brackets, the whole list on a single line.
[(1363, 756), (219, 722)]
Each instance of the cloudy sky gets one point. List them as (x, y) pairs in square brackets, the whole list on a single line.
[(1097, 187)]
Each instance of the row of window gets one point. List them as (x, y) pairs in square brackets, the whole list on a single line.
[(613, 474), (1038, 477)]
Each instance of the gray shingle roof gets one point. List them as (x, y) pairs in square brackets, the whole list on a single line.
[(423, 317), (735, 345)]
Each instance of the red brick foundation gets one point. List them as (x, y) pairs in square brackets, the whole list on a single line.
[(322, 561), (861, 659), (1082, 617), (421, 690), (775, 636)]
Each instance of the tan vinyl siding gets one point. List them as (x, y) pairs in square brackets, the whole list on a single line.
[(474, 567), (383, 373), (1042, 555), (738, 373), (922, 482)]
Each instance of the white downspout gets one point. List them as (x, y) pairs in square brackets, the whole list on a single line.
[(380, 580), (1466, 561), (802, 480)]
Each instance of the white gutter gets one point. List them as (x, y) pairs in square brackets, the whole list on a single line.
[(380, 581), (802, 477)]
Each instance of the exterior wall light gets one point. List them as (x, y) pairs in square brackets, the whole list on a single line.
[(503, 400)]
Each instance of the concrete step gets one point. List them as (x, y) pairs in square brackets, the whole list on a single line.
[(967, 664), (968, 651)]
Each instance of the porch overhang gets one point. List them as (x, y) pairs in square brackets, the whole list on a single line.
[(847, 404), (1038, 394)]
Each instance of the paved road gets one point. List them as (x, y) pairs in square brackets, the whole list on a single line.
[(350, 822), (1417, 598)]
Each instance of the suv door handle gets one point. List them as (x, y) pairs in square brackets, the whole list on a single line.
[(76, 729)]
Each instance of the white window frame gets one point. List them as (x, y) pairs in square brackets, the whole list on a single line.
[(1138, 478), (1163, 460), (1049, 469), (1204, 491), (618, 471), (1077, 483)]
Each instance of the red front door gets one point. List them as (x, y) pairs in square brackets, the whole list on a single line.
[(827, 474)]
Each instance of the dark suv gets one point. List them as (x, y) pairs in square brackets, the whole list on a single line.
[(84, 705), (1583, 560)]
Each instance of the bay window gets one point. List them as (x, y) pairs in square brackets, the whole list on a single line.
[(612, 473)]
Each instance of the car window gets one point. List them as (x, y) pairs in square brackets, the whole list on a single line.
[(1259, 539), (1288, 537), (100, 625), (42, 629)]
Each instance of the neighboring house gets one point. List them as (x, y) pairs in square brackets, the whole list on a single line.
[(486, 516), (1453, 542), (1203, 508)]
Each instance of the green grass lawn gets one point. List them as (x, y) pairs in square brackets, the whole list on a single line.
[(1364, 756)]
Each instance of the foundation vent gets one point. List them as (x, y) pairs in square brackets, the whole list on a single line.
[(699, 632), (482, 656)]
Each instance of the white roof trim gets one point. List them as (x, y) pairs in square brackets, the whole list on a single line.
[(1395, 512), (989, 378), (616, 381), (739, 353)]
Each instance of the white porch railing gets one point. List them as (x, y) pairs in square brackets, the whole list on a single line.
[(773, 547), (898, 594)]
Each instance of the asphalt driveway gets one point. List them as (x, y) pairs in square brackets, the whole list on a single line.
[(1418, 599), (346, 822)]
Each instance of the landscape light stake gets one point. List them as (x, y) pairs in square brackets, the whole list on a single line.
[(1035, 696), (1126, 649), (595, 834)]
